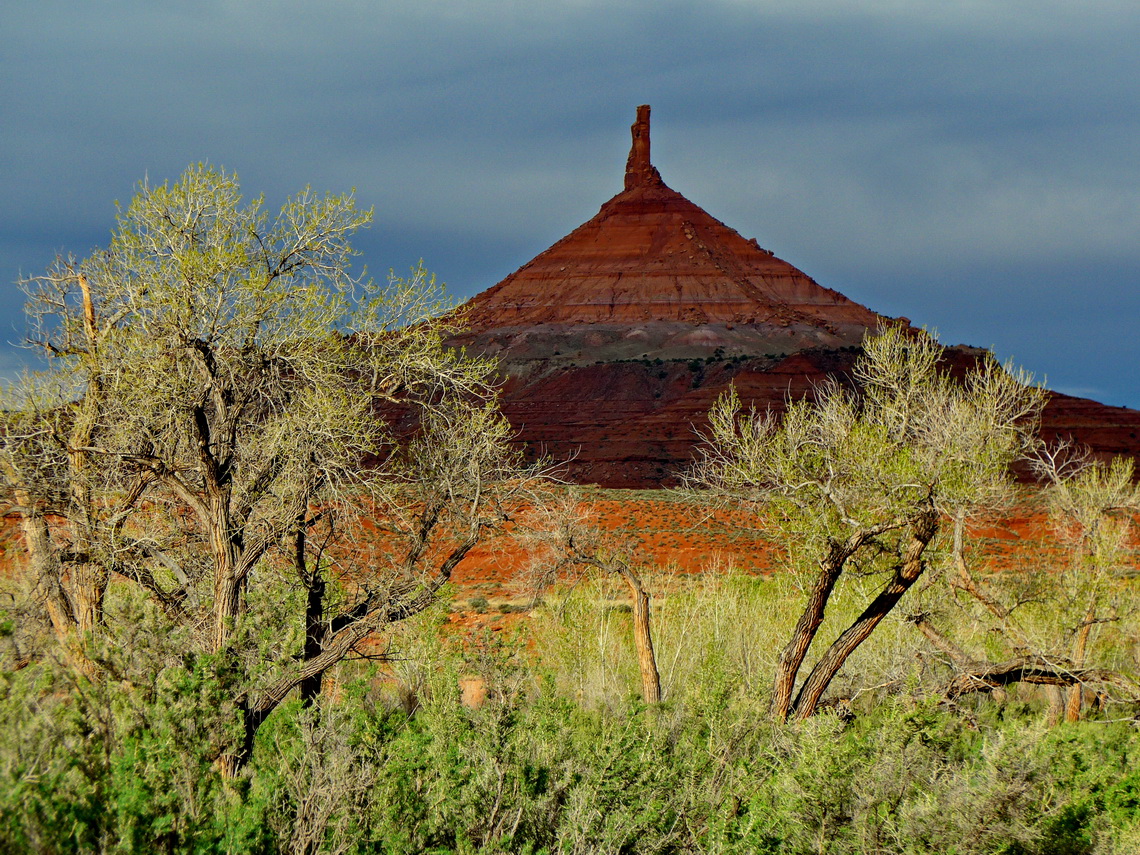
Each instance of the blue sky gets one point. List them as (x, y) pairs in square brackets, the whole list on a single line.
[(971, 165)]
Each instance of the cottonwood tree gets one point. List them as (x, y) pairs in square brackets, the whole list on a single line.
[(1093, 506), (565, 541), (213, 384), (1047, 624), (863, 477)]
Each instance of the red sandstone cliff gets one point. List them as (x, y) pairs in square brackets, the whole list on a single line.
[(615, 341)]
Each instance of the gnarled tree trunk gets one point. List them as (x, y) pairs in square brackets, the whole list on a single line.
[(923, 530), (1080, 650), (792, 657), (643, 638)]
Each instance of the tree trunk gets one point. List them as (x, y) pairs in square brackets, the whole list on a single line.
[(44, 564), (806, 628), (227, 581), (227, 604), (255, 711), (88, 580), (314, 633), (922, 532), (1056, 713), (232, 762), (47, 585), (976, 675), (88, 587), (338, 637), (1080, 650), (643, 639)]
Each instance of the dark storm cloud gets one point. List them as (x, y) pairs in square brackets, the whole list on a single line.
[(970, 165)]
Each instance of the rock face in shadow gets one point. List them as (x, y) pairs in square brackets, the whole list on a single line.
[(616, 340)]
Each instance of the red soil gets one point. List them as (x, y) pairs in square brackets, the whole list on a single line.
[(667, 538)]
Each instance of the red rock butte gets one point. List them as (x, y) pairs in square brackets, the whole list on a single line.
[(652, 269), (615, 341)]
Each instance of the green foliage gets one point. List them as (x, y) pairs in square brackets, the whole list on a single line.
[(106, 768), (123, 766), (213, 388)]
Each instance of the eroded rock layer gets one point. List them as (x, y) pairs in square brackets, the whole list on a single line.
[(615, 342), (635, 424)]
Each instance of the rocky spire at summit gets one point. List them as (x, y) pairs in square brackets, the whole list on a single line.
[(639, 169)]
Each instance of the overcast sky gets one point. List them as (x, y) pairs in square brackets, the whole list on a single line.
[(970, 165)]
